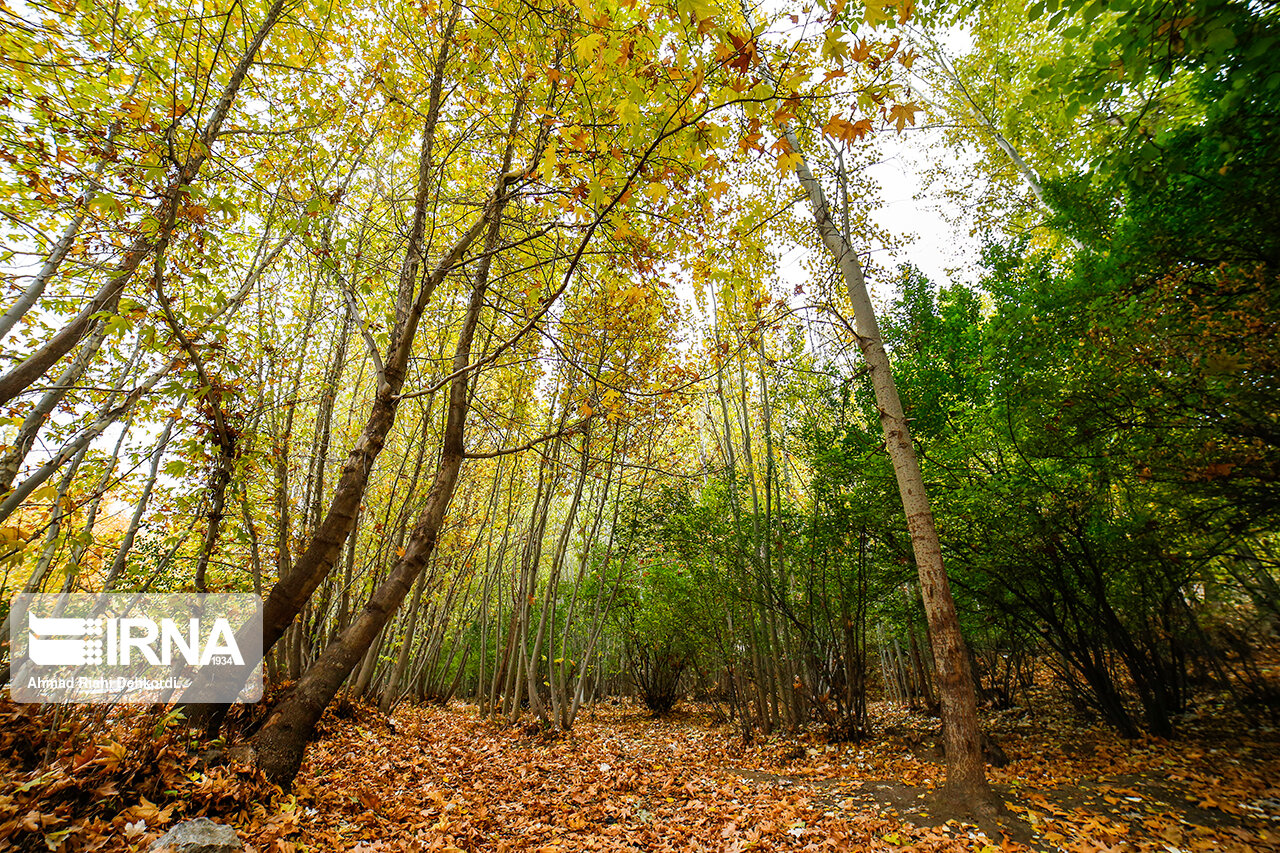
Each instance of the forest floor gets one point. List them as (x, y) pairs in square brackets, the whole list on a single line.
[(626, 781), (430, 778)]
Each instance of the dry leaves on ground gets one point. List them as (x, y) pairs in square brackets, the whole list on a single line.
[(432, 778)]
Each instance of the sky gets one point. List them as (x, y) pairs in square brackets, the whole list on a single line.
[(935, 244), (915, 218)]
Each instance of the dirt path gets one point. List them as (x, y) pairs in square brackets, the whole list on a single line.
[(1080, 789)]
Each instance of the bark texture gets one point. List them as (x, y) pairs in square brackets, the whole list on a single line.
[(283, 739)]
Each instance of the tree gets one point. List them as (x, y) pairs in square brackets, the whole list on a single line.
[(966, 778)]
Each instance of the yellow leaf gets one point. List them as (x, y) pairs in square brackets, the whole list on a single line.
[(835, 47), (547, 168), (795, 81), (628, 113), (45, 493), (135, 109), (903, 114), (596, 194), (877, 11), (787, 161), (586, 47)]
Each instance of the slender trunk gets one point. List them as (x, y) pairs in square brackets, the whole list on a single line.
[(601, 610), (48, 551), (889, 678), (1028, 175), (764, 659), (85, 540), (324, 428), (290, 594), (126, 544), (565, 697), (966, 777), (107, 416), (348, 569), (389, 694), (737, 559), (368, 664), (491, 598), (221, 479), (530, 559), (546, 619), (255, 549), (917, 659), (36, 418), (62, 247)]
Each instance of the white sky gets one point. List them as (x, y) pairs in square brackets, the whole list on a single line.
[(935, 246), (942, 250)]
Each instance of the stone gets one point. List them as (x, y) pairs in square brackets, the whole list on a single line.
[(198, 836)]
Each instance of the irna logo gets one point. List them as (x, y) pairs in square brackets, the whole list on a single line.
[(131, 647), (60, 641)]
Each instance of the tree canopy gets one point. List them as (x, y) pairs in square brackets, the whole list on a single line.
[(535, 354)]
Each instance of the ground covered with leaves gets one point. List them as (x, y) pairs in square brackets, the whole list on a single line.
[(429, 778)]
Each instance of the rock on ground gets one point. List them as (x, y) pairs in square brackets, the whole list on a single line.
[(198, 836)]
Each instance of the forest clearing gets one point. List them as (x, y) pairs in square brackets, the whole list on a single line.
[(522, 425)]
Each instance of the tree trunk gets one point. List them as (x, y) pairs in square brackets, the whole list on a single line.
[(390, 694), (966, 777), (1028, 175), (126, 544), (39, 414), (50, 549), (291, 593), (107, 416), (58, 252)]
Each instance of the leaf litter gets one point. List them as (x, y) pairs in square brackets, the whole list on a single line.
[(432, 778)]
